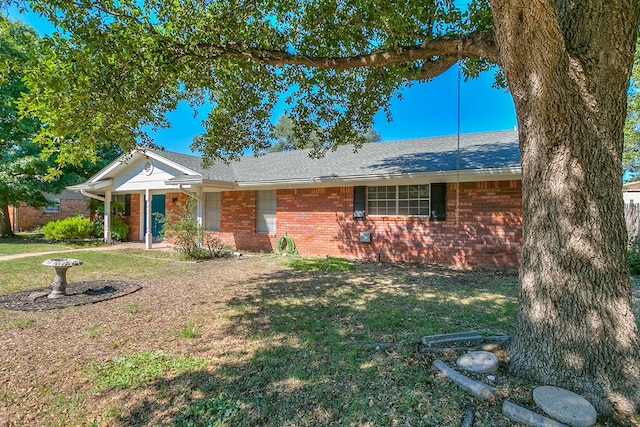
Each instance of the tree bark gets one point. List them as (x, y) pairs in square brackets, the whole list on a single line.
[(567, 65), (5, 223)]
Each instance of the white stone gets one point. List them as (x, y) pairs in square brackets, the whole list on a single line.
[(565, 406), (481, 362)]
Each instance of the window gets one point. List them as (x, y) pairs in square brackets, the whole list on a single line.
[(266, 211), (121, 204), (407, 200), (52, 206), (212, 211)]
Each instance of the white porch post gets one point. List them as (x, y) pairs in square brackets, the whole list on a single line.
[(107, 217), (148, 235), (200, 207)]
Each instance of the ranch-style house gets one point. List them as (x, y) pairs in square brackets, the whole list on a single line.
[(452, 200)]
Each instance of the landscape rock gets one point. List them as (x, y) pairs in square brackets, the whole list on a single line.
[(453, 338), (481, 362), (565, 406)]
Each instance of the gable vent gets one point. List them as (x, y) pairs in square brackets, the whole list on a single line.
[(148, 167)]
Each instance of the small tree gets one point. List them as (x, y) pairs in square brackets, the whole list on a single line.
[(190, 238)]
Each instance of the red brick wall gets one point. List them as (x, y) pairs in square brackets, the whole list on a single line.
[(483, 225), (30, 218), (238, 222), (485, 230), (133, 219)]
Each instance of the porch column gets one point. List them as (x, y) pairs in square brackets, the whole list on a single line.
[(148, 237), (200, 207), (107, 217)]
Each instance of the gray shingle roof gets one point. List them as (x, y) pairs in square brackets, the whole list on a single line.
[(478, 151)]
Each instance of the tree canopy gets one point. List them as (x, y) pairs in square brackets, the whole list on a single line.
[(25, 173), (286, 139), (124, 65)]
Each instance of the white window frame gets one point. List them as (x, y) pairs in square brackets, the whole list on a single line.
[(266, 211), (53, 208), (212, 209), (399, 200)]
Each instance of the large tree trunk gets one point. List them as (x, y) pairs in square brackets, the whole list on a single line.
[(567, 64), (5, 223)]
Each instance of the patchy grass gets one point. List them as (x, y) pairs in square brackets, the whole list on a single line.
[(319, 264), (138, 370), (271, 342), (133, 307), (20, 322), (190, 330)]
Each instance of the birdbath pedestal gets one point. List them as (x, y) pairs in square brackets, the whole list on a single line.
[(61, 266)]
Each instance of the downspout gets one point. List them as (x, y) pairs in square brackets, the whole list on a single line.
[(92, 196)]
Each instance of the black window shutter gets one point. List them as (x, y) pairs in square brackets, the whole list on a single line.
[(359, 202), (127, 204), (438, 201)]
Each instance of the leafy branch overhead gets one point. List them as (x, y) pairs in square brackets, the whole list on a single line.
[(116, 68)]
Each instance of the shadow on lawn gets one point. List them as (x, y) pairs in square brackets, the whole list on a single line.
[(313, 353)]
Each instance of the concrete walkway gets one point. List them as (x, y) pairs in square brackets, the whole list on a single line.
[(116, 246)]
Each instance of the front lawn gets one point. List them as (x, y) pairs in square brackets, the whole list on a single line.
[(28, 243), (255, 341)]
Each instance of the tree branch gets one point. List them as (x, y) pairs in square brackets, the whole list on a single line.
[(439, 54)]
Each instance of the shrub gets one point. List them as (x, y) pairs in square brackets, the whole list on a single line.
[(119, 229), (191, 240), (634, 256), (77, 227)]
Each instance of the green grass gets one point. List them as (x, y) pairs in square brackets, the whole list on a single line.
[(133, 307), (189, 331), (29, 243), (318, 264), (207, 412), (137, 370), (29, 273), (20, 322)]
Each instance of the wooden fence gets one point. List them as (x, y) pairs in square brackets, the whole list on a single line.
[(632, 217)]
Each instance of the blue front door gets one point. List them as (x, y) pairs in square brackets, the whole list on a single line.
[(157, 214)]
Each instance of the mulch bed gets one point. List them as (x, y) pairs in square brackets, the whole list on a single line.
[(78, 293)]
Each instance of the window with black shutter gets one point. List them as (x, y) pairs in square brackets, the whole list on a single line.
[(359, 202), (438, 201)]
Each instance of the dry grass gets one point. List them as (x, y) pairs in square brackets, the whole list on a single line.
[(254, 342)]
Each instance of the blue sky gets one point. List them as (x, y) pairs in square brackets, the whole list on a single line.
[(426, 109)]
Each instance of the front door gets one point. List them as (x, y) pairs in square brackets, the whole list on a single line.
[(157, 214)]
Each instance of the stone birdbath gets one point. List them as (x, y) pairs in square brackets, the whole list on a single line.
[(60, 281)]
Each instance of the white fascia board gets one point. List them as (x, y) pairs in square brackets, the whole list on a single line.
[(502, 174), (168, 162), (128, 157), (96, 185)]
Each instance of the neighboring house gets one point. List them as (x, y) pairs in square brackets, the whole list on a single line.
[(437, 200), (631, 192), (63, 205)]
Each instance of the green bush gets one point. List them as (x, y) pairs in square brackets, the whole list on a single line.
[(191, 240), (119, 230), (77, 227), (634, 256)]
